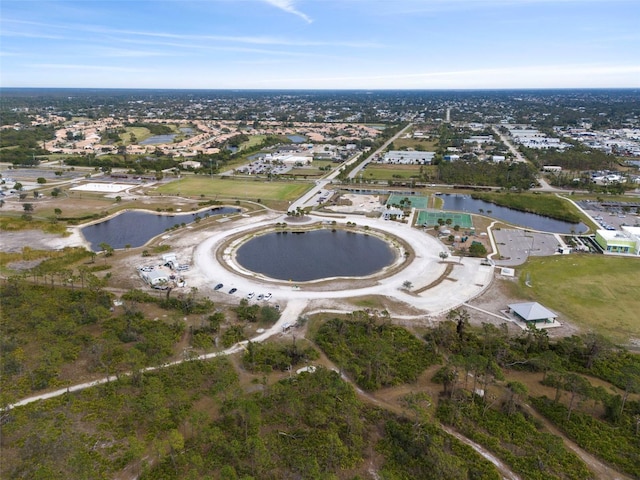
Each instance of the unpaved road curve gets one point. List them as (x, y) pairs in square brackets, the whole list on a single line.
[(505, 471), (289, 315), (502, 468), (599, 468)]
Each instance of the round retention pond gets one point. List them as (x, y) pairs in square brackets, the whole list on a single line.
[(314, 255)]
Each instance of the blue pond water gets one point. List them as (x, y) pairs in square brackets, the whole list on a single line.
[(464, 203), (297, 138), (314, 255), (157, 139), (137, 228)]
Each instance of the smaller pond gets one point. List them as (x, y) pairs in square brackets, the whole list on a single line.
[(156, 139), (297, 138), (136, 228), (464, 203), (306, 256), (186, 129)]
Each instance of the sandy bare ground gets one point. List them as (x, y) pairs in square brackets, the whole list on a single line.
[(38, 240)]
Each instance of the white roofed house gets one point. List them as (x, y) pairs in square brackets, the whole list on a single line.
[(533, 313), (191, 164)]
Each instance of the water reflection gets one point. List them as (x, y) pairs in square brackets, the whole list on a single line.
[(464, 203), (135, 228), (301, 257)]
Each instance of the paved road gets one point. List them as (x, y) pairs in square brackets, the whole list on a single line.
[(356, 170), (517, 155)]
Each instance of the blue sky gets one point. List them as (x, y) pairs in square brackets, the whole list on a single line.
[(311, 44)]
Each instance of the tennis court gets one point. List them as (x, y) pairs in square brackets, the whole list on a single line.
[(416, 201), (430, 218)]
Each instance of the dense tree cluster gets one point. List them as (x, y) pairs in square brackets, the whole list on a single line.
[(266, 357), (374, 352), (520, 176), (577, 158), (196, 419), (154, 127)]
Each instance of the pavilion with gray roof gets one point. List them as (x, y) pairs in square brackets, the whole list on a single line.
[(532, 312)]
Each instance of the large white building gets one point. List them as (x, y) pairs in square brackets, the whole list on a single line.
[(408, 157), (532, 138)]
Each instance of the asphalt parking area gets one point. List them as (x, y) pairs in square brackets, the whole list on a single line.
[(515, 245)]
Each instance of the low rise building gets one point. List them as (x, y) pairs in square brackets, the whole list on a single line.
[(532, 313), (408, 157), (625, 241)]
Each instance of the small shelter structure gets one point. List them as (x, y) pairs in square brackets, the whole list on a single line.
[(532, 312), (156, 278)]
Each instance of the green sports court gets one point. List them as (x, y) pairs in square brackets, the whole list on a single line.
[(417, 201), (430, 218)]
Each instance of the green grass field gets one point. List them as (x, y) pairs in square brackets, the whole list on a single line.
[(596, 292), (430, 218), (235, 189), (253, 141), (141, 133), (376, 171)]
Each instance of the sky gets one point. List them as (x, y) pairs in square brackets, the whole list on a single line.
[(320, 44)]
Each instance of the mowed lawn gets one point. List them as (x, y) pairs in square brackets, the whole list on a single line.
[(596, 292), (235, 189)]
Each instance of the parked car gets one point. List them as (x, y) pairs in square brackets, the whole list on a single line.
[(233, 290), (267, 296), (250, 295), (260, 297), (218, 286)]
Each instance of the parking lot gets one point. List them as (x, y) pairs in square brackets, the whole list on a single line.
[(612, 215), (515, 245)]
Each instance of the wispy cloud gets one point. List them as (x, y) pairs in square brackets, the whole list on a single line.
[(84, 67), (126, 53), (246, 39), (9, 33), (473, 78), (220, 48), (289, 7), (404, 7)]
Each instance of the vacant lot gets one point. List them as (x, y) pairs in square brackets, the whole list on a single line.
[(377, 171), (235, 189), (415, 143), (596, 292)]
